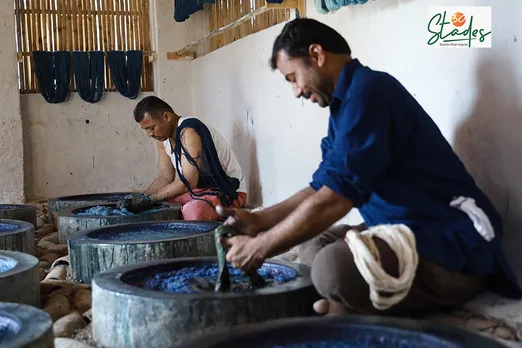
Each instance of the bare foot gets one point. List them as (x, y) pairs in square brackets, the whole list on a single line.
[(329, 308)]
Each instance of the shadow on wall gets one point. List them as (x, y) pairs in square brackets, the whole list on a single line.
[(245, 148), (489, 142), (27, 141)]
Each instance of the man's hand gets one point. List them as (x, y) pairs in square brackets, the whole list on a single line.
[(136, 203), (241, 220), (245, 253)]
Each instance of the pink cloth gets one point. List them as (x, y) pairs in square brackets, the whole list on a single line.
[(198, 209)]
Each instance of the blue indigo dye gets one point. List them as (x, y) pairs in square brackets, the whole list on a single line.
[(8, 328), (101, 210), (164, 232), (7, 227), (8, 206), (196, 279), (6, 263), (346, 336)]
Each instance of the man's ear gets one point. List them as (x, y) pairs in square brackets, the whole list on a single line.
[(317, 54), (166, 116)]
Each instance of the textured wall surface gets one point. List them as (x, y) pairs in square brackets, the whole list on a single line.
[(11, 162), (77, 147)]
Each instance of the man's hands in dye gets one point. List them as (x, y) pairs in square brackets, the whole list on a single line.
[(245, 252), (136, 202), (241, 220)]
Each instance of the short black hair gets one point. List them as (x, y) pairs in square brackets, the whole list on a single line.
[(300, 33), (153, 105)]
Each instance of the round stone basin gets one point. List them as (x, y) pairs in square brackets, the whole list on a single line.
[(201, 279), (6, 263), (66, 202), (25, 326), (8, 327), (151, 231), (18, 212), (7, 227), (96, 250), (17, 235), (100, 215), (343, 332), (108, 210), (169, 301)]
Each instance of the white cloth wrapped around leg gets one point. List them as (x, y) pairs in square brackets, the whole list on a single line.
[(367, 259)]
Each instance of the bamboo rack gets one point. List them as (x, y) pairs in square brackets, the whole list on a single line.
[(82, 25), (235, 27)]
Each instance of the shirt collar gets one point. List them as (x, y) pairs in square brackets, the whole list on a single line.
[(345, 79)]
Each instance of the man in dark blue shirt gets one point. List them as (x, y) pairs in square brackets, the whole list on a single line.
[(385, 156)]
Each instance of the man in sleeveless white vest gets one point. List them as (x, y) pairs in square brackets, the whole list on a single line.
[(196, 167)]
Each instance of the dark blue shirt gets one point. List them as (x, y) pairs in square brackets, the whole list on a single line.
[(386, 154)]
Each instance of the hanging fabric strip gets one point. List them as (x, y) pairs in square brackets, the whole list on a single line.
[(326, 6), (183, 9), (126, 73), (52, 70), (89, 74)]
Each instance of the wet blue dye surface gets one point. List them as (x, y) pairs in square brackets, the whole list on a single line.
[(8, 328), (152, 234), (190, 279), (350, 337), (109, 211), (7, 227), (8, 206), (6, 263)]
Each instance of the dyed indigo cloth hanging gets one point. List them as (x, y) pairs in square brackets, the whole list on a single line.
[(326, 6), (126, 73), (89, 74), (183, 9), (52, 71)]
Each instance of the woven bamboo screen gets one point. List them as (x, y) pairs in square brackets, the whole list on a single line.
[(227, 11), (81, 25)]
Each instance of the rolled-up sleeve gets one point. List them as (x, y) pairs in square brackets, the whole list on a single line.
[(360, 150)]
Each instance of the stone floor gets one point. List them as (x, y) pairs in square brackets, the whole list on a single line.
[(488, 315)]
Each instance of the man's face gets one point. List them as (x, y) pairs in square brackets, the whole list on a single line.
[(158, 128), (307, 78)]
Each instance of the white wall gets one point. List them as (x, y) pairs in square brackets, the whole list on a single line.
[(472, 94), (11, 158)]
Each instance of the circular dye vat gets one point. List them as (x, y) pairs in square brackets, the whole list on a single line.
[(8, 327), (25, 326), (7, 227), (101, 210), (203, 279), (6, 263), (69, 202), (96, 250), (89, 217), (19, 278), (19, 212), (343, 332), (17, 235), (163, 319)]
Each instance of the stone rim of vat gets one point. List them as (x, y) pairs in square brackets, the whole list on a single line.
[(115, 280), (245, 333), (102, 196), (16, 206), (24, 262), (72, 212), (86, 236), (21, 226), (35, 326)]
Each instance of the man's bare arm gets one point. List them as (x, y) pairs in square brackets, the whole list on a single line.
[(166, 171), (192, 143), (315, 214)]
